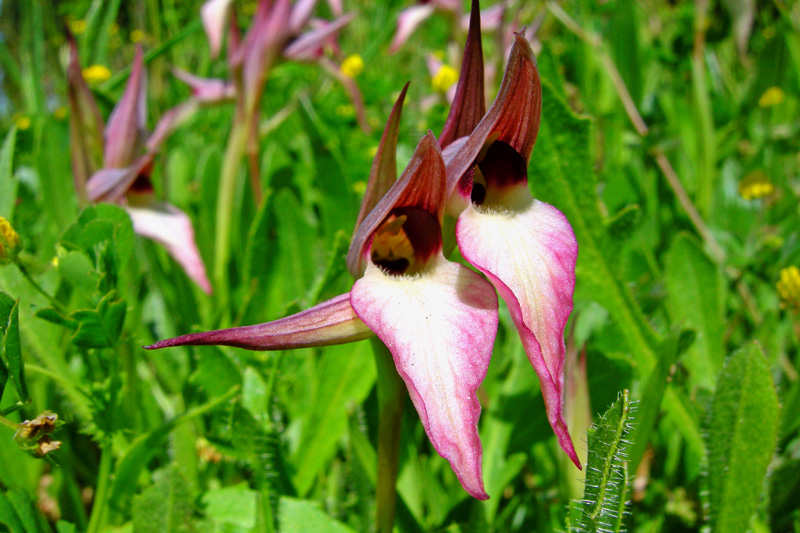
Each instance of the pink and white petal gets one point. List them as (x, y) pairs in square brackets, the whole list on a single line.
[(171, 227), (440, 327), (301, 12), (325, 324), (213, 14), (528, 252), (408, 21), (126, 129)]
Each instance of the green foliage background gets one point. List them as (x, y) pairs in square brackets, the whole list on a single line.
[(654, 114)]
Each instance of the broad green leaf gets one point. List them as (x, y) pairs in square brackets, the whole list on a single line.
[(346, 374), (8, 185), (11, 366), (607, 478), (77, 269), (232, 506), (561, 173), (101, 327), (695, 299), (741, 439), (164, 507), (299, 516)]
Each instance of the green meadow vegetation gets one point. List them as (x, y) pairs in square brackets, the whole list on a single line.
[(669, 138)]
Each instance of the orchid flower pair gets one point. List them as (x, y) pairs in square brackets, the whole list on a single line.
[(439, 318), (113, 164)]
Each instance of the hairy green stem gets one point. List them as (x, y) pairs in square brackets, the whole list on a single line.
[(391, 399), (55, 303)]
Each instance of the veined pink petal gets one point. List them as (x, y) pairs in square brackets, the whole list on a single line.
[(213, 14), (513, 119), (331, 322), (125, 131), (440, 327), (528, 251), (383, 172), (469, 103), (408, 21), (308, 46), (111, 184), (171, 227)]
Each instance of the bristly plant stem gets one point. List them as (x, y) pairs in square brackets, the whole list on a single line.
[(391, 399)]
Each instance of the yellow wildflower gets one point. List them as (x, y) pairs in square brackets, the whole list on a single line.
[(771, 97), (96, 74), (23, 122), (137, 36), (444, 78), (10, 243), (352, 66), (789, 286), (360, 187), (755, 185), (60, 113), (77, 26)]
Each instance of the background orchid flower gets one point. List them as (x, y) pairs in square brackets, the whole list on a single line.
[(525, 247), (438, 318), (411, 18), (128, 156)]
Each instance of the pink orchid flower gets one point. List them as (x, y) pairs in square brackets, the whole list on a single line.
[(438, 318), (124, 177), (525, 247)]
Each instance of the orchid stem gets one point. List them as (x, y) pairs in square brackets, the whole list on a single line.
[(227, 186), (391, 399)]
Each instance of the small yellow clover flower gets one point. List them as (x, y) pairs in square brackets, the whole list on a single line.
[(10, 243), (771, 97), (352, 66), (96, 74), (444, 78), (789, 286), (756, 185)]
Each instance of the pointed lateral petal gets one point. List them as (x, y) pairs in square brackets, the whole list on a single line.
[(125, 130), (513, 118), (408, 21), (171, 227), (111, 184), (469, 103), (331, 322), (207, 90), (169, 122), (213, 14), (308, 46), (383, 172), (529, 254), (440, 328), (422, 185), (85, 124), (336, 7), (301, 12)]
